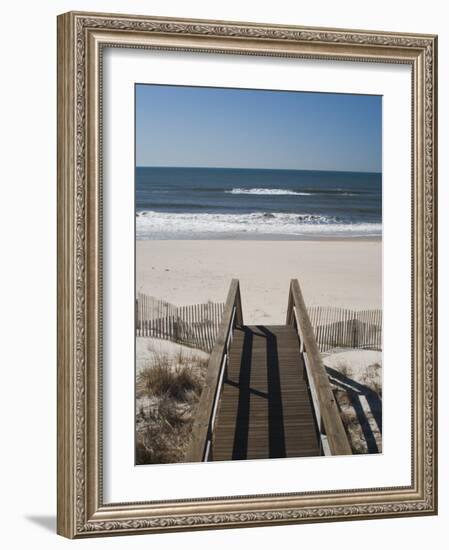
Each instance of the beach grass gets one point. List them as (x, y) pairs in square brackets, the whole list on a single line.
[(168, 390), (357, 386)]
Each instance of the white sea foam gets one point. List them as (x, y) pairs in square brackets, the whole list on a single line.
[(264, 191), (153, 225)]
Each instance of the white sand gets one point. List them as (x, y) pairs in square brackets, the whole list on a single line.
[(345, 273), (148, 349), (360, 382)]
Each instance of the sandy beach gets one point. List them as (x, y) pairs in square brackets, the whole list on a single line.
[(343, 272)]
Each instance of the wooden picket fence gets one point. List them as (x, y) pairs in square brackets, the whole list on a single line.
[(337, 327), (194, 325)]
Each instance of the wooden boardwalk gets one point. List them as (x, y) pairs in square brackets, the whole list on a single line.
[(265, 409), (266, 393)]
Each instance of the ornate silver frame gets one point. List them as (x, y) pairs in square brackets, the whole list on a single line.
[(81, 38)]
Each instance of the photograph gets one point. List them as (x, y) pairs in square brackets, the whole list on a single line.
[(258, 274), (247, 279)]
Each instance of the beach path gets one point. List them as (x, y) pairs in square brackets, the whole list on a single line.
[(265, 409)]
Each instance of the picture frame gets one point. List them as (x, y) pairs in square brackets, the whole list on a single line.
[(82, 40)]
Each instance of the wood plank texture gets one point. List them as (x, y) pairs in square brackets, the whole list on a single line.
[(298, 317), (209, 395), (265, 409)]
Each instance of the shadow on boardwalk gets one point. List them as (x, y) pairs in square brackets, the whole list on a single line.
[(265, 407), (273, 397)]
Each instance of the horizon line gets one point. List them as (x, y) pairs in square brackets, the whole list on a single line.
[(248, 168)]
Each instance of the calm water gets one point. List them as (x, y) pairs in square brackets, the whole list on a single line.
[(195, 203)]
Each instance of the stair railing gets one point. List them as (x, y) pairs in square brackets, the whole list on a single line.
[(334, 440), (201, 443)]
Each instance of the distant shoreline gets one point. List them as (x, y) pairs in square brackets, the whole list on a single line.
[(268, 238)]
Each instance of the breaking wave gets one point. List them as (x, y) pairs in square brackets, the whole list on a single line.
[(154, 225), (265, 191)]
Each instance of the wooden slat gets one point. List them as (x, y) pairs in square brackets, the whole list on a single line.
[(338, 327), (196, 325)]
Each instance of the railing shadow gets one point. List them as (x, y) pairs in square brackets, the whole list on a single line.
[(240, 446), (354, 391), (276, 431)]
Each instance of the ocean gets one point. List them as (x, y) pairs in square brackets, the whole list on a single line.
[(235, 203)]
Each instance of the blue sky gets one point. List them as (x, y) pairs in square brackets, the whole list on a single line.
[(225, 127)]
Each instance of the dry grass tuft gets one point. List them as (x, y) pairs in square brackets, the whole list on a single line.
[(372, 378), (176, 382), (163, 436), (352, 423), (360, 403), (168, 391)]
